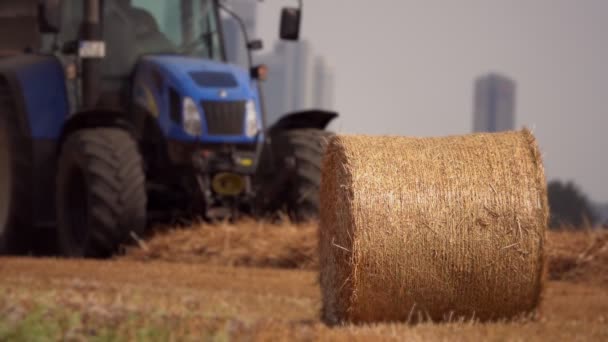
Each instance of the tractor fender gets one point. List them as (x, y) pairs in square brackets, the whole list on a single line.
[(35, 106), (96, 118), (37, 87), (314, 118)]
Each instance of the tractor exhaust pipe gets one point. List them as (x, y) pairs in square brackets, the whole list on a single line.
[(92, 49)]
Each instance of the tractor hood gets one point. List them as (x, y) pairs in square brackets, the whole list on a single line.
[(226, 97), (204, 79)]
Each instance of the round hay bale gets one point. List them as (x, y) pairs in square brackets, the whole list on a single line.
[(432, 228)]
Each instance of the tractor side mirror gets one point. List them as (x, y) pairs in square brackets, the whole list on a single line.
[(290, 23), (255, 45), (49, 16)]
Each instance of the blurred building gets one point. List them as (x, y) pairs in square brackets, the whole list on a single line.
[(235, 41), (494, 104), (297, 79), (323, 87)]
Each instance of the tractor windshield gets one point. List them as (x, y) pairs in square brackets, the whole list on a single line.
[(184, 27), (190, 25)]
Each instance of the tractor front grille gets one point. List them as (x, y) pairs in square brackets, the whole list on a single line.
[(224, 118)]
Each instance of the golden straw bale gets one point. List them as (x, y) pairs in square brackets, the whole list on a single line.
[(432, 228)]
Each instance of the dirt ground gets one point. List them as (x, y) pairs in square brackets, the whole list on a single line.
[(257, 282)]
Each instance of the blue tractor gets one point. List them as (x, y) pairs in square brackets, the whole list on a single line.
[(118, 113)]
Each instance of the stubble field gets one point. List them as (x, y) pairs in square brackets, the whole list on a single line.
[(255, 281)]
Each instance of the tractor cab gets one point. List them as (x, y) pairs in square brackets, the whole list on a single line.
[(21, 20), (117, 112), (132, 30)]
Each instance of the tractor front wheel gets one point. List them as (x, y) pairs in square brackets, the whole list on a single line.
[(101, 194)]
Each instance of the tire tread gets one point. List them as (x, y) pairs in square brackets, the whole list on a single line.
[(116, 183), (307, 147)]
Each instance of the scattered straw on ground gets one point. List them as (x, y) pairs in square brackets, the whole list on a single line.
[(248, 243), (573, 254), (579, 255)]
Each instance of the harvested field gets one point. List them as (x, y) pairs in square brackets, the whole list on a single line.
[(164, 301), (575, 255), (578, 255), (175, 289)]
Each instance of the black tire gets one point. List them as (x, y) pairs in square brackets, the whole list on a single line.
[(15, 178), (305, 148), (101, 195)]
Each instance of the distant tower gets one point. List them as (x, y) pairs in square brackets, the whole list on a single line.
[(494, 104)]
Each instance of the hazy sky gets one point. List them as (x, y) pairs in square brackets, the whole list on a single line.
[(407, 67)]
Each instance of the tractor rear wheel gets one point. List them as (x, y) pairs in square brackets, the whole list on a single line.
[(15, 184), (305, 148), (101, 196)]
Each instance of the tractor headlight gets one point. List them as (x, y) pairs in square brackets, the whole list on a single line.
[(251, 118), (191, 117)]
